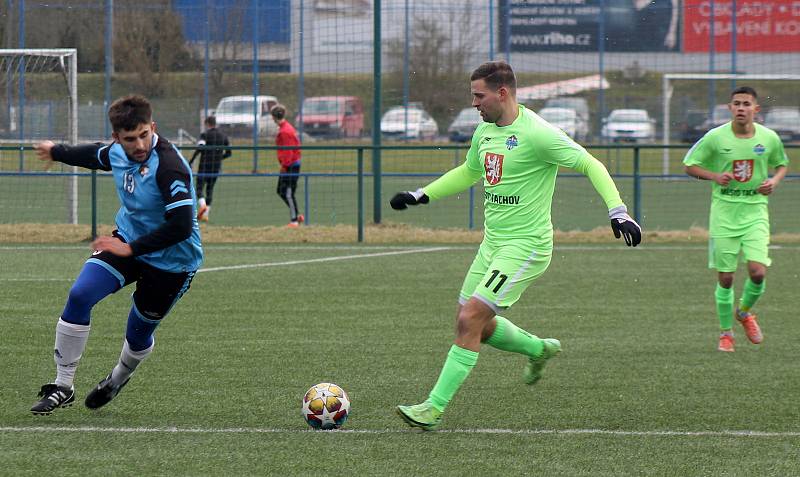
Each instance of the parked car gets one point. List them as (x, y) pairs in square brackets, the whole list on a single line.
[(580, 105), (693, 127), (333, 116), (408, 123), (568, 120), (237, 114), (720, 115), (785, 121), (629, 125), (463, 126)]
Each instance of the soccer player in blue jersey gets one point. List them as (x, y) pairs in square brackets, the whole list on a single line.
[(156, 245)]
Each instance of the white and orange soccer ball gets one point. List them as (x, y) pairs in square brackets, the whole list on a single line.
[(326, 406)]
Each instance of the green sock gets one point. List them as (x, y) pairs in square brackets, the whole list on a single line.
[(508, 337), (724, 298), (456, 368), (751, 293)]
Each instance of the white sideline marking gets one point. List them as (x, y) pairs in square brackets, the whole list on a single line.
[(255, 430), (324, 259)]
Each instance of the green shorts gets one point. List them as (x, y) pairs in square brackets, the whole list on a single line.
[(500, 273), (723, 252)]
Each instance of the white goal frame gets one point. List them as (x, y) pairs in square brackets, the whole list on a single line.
[(69, 58), (667, 90)]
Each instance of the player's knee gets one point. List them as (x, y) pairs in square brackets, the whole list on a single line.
[(757, 275), (81, 297), (726, 280)]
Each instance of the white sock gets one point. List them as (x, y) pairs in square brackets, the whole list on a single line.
[(201, 202), (129, 360), (70, 343), (208, 209)]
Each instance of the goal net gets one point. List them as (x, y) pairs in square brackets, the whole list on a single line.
[(38, 101)]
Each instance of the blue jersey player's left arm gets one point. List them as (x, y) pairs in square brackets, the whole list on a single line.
[(171, 217)]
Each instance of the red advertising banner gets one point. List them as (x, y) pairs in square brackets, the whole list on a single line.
[(761, 26)]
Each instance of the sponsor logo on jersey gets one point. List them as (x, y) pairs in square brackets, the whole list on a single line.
[(512, 142), (501, 199), (738, 192), (759, 149), (743, 169), (493, 164), (128, 183)]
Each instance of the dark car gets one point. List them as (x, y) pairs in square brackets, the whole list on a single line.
[(693, 126)]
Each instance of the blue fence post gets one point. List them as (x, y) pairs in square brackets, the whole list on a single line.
[(360, 181), (306, 195), (256, 106), (21, 115), (637, 188)]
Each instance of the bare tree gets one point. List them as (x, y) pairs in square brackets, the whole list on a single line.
[(148, 42), (438, 54)]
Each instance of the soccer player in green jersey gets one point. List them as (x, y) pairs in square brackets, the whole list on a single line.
[(737, 157), (517, 154)]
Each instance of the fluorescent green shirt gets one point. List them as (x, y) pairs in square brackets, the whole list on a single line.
[(738, 205), (518, 164)]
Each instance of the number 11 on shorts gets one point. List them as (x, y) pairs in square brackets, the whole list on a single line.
[(495, 274)]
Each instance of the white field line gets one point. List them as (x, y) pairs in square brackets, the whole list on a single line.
[(644, 247), (531, 432), (323, 259)]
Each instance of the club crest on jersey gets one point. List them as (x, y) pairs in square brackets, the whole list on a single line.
[(759, 149), (493, 164), (743, 170), (512, 142), (128, 183), (143, 171)]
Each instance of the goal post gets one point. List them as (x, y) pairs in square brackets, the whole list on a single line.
[(669, 79), (39, 100)]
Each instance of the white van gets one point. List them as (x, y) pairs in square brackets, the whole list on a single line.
[(235, 116)]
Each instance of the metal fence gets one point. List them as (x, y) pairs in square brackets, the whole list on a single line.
[(339, 186), (189, 55)]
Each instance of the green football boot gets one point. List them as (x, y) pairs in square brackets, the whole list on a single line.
[(535, 366), (424, 415)]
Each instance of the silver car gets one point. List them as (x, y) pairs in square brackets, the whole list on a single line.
[(629, 125), (464, 125)]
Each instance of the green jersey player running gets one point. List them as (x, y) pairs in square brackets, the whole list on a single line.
[(736, 157), (517, 154)]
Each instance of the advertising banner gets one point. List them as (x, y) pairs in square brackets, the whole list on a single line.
[(574, 25), (761, 26)]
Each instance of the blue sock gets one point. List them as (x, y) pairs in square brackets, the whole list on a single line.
[(140, 330), (92, 285)]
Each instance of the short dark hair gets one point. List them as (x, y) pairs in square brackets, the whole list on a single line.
[(278, 111), (211, 121), (128, 112), (495, 74), (745, 90)]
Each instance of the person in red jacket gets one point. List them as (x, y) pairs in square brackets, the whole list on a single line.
[(290, 163)]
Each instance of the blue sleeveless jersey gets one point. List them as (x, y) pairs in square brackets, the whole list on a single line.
[(147, 190)]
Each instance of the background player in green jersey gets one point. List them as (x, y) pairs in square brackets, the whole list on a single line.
[(517, 154), (736, 157)]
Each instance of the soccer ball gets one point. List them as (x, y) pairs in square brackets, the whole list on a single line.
[(326, 406)]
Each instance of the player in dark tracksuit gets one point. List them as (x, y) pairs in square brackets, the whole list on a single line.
[(156, 246), (290, 164), (210, 165)]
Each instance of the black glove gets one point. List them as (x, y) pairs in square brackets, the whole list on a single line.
[(402, 200), (623, 225)]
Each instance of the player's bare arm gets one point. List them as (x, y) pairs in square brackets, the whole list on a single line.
[(43, 152), (112, 245), (696, 171), (768, 186)]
